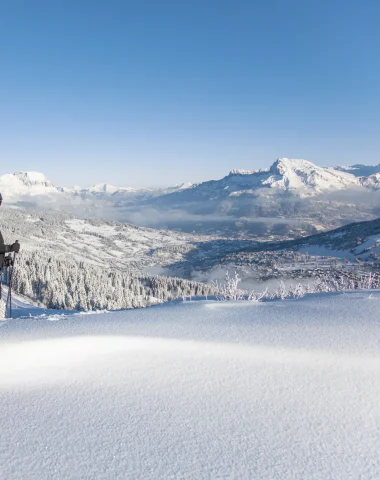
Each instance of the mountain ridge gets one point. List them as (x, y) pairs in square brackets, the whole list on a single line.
[(294, 194), (284, 174), (294, 175)]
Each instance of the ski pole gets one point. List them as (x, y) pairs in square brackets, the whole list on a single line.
[(9, 298), (8, 279)]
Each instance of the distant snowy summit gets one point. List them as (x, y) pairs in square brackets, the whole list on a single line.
[(360, 170), (285, 175), (33, 179), (297, 176), (32, 184), (305, 176), (20, 184)]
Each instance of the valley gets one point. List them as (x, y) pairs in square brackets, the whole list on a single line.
[(287, 234), (291, 198)]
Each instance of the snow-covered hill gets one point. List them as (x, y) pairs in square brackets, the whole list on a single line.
[(346, 252), (110, 244), (359, 240), (272, 391)]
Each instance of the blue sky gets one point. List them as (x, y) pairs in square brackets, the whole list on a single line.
[(161, 92)]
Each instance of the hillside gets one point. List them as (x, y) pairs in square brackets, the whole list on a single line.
[(115, 245), (272, 391), (346, 252), (110, 244), (359, 240), (125, 247)]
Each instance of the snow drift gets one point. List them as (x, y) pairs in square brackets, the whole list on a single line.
[(269, 391)]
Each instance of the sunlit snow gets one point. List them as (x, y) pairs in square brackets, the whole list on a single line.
[(200, 390)]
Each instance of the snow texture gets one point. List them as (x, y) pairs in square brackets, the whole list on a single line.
[(200, 390)]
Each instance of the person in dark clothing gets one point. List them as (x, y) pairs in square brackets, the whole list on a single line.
[(15, 247)]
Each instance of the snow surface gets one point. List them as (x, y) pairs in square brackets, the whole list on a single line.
[(199, 390), (371, 244), (83, 226)]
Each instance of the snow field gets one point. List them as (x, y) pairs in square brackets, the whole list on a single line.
[(201, 390)]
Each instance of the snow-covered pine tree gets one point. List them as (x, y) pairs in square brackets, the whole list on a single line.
[(63, 283)]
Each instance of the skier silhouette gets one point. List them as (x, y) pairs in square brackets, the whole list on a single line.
[(15, 247)]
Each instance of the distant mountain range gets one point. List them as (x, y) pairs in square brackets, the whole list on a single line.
[(289, 190), (301, 177), (22, 184)]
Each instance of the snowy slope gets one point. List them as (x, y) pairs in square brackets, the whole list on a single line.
[(275, 391), (102, 243), (360, 239), (350, 250)]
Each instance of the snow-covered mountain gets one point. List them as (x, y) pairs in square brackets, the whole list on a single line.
[(300, 177), (23, 185), (360, 170), (305, 177), (372, 181), (19, 184), (107, 188), (105, 191)]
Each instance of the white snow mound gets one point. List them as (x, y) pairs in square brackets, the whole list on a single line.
[(201, 390)]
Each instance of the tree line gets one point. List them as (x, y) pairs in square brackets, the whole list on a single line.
[(67, 283)]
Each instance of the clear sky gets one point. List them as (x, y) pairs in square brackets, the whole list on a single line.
[(160, 92)]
